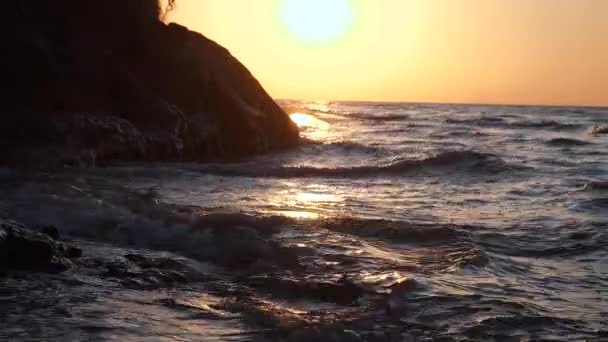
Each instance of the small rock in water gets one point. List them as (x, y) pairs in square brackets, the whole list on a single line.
[(25, 249), (51, 231)]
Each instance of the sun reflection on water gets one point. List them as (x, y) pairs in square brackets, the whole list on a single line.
[(307, 120), (311, 127), (304, 202), (316, 197)]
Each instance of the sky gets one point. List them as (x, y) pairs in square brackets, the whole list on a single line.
[(472, 51)]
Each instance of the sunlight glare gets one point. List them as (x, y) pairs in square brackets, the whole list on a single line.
[(306, 120), (318, 21)]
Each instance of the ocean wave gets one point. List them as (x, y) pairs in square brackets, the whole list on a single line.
[(346, 147), (372, 115), (485, 121), (125, 218), (507, 327), (467, 161), (586, 111), (522, 124), (394, 231), (594, 204), (545, 124), (573, 241), (377, 118)]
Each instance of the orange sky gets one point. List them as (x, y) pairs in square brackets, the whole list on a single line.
[(480, 51)]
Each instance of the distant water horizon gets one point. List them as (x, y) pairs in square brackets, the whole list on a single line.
[(497, 104)]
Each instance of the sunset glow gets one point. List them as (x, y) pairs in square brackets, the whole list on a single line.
[(317, 21), (475, 51)]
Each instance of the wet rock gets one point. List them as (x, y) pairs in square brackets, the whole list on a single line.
[(141, 272), (160, 263), (24, 249)]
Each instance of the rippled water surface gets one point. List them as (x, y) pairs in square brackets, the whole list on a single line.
[(498, 214)]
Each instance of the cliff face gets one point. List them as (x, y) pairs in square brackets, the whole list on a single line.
[(109, 80)]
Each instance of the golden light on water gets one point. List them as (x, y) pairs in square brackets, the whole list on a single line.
[(301, 119), (303, 202), (306, 120), (308, 197), (312, 127), (297, 214)]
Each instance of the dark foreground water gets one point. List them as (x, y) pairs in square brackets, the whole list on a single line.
[(394, 222)]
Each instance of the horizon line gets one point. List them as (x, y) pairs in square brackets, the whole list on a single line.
[(498, 104)]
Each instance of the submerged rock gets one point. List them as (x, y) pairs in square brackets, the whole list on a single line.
[(91, 82), (25, 249)]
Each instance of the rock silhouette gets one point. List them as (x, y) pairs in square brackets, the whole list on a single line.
[(86, 82)]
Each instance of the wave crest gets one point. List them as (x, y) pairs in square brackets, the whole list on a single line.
[(523, 124), (346, 147), (466, 161)]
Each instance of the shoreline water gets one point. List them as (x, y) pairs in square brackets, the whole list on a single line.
[(492, 226)]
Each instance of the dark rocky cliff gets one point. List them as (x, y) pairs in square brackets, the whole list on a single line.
[(108, 80)]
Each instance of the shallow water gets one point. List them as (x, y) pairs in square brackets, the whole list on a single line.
[(498, 213)]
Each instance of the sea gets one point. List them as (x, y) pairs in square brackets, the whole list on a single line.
[(409, 222)]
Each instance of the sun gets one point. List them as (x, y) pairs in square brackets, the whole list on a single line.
[(318, 21)]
